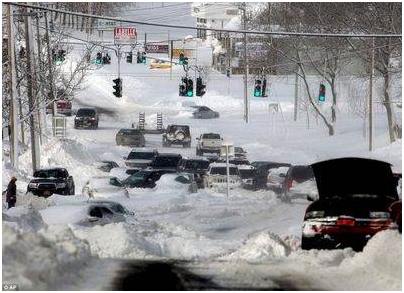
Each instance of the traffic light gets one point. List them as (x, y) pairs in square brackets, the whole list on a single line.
[(139, 58), (144, 57), (98, 59), (59, 56), (228, 72), (181, 59), (257, 88), (321, 95), (129, 57), (190, 87), (117, 87), (264, 88), (200, 87)]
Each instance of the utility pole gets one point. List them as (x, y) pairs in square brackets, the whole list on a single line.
[(13, 83), (246, 101), (30, 91), (171, 59), (145, 41), (40, 80), (372, 68), (50, 66), (296, 94)]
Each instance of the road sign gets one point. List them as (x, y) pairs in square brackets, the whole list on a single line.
[(125, 35), (105, 25), (156, 48)]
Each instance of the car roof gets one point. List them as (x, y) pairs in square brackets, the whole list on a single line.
[(220, 165), (143, 150), (246, 167), (168, 155), (50, 169), (198, 158)]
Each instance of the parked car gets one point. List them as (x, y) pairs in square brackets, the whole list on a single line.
[(262, 169), (353, 204), (107, 166), (86, 118), (102, 212), (142, 179), (240, 153), (140, 158), (49, 181), (203, 112), (159, 64), (195, 166), (276, 179), (166, 163), (209, 143), (247, 175), (177, 135), (216, 176), (130, 137), (299, 183), (104, 187)]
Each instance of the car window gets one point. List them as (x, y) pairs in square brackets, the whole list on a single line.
[(222, 171), (141, 155), (196, 164), (115, 181), (211, 136), (51, 173), (95, 212), (166, 161), (130, 132)]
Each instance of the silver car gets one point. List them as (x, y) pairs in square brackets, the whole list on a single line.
[(130, 137), (204, 112)]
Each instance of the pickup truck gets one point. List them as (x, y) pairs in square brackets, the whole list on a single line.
[(209, 143), (49, 181)]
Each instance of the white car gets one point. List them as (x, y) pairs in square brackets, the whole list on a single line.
[(216, 177), (209, 143), (276, 178), (104, 187)]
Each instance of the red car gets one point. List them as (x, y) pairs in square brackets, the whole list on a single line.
[(355, 199)]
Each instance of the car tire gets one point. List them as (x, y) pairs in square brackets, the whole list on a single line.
[(72, 191)]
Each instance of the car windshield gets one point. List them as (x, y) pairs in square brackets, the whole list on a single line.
[(196, 164), (138, 176), (166, 161), (130, 131), (222, 171), (51, 173), (203, 108), (246, 173), (86, 112), (141, 155), (211, 136)]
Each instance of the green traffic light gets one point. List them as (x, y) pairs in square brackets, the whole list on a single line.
[(321, 98), (257, 94), (190, 93)]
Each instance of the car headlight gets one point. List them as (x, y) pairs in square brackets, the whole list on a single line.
[(315, 214), (33, 185), (379, 215), (60, 185)]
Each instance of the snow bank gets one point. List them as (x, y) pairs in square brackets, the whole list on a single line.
[(167, 184), (54, 256)]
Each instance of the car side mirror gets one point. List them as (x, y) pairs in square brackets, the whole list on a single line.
[(310, 198)]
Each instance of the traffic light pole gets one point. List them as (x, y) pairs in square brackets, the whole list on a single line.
[(246, 106), (119, 55), (372, 68)]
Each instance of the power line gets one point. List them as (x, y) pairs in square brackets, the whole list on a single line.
[(330, 35)]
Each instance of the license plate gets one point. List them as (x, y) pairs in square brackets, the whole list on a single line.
[(47, 193)]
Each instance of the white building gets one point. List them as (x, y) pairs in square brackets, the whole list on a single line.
[(217, 15)]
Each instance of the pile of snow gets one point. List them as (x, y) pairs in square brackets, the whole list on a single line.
[(41, 260), (168, 184), (262, 247), (24, 219)]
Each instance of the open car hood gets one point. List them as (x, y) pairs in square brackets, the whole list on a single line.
[(349, 176)]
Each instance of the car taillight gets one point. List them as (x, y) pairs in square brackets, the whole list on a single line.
[(346, 222)]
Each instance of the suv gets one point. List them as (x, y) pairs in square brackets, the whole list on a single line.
[(130, 137), (140, 158), (217, 176), (166, 163), (195, 166), (86, 118), (209, 143), (142, 179), (354, 199), (177, 134), (49, 181)]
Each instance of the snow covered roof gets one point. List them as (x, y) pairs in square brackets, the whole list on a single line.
[(245, 167), (141, 150), (221, 165)]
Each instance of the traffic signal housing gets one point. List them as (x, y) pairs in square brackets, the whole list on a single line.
[(129, 57), (190, 87), (117, 87), (200, 87), (257, 88), (264, 88), (144, 57), (321, 95), (98, 58)]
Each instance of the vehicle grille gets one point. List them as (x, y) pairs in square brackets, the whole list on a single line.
[(47, 186)]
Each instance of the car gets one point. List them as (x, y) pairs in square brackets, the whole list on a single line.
[(262, 170), (276, 178), (140, 158), (159, 64), (142, 179), (299, 183), (203, 112), (130, 137), (353, 203), (106, 166), (86, 118), (49, 181), (196, 166), (247, 175), (177, 135), (209, 143), (240, 153), (104, 187), (166, 163), (216, 176)]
